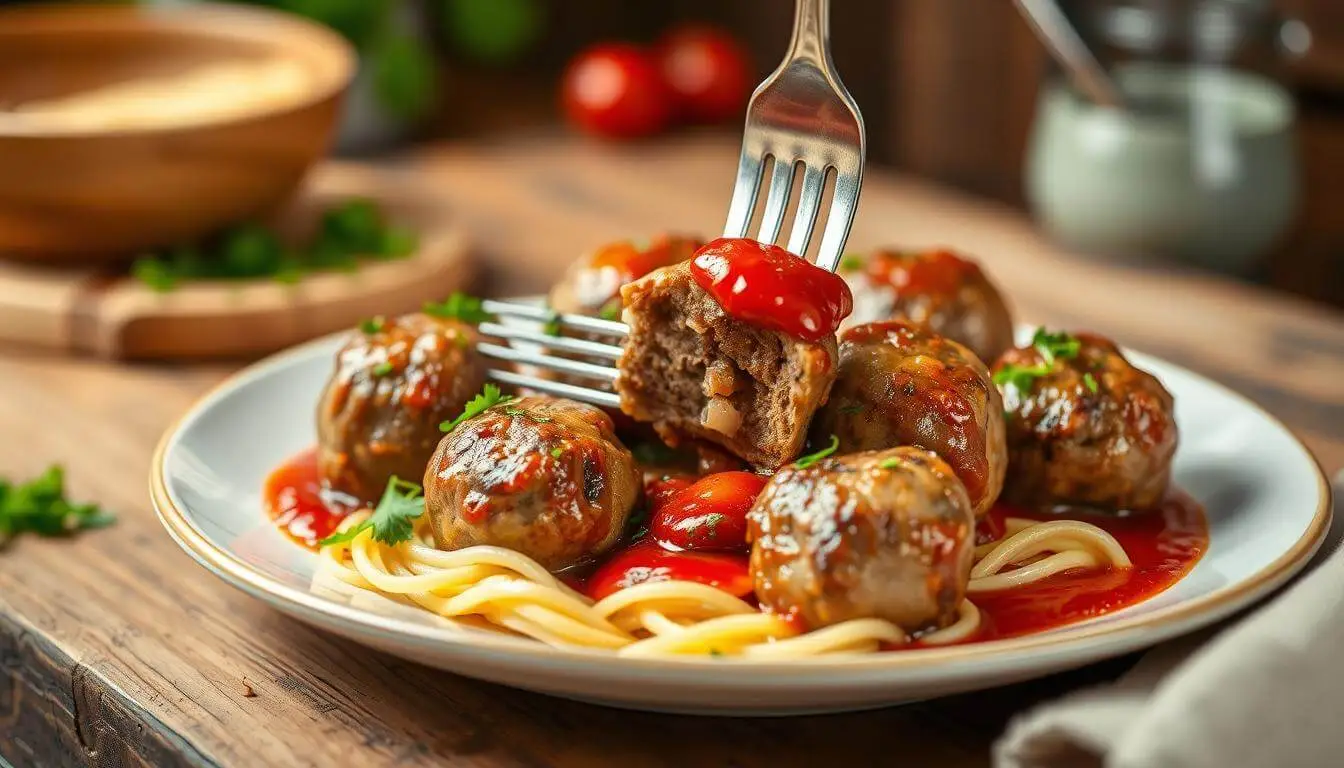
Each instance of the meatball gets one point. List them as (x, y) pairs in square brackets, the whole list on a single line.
[(1085, 427), (541, 476), (694, 371), (902, 385), (882, 534), (934, 288), (395, 380), (592, 285)]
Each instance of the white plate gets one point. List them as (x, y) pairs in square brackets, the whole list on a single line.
[(1266, 498)]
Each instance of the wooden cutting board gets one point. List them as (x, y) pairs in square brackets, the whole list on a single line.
[(107, 314)]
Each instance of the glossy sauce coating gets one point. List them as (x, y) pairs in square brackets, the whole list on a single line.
[(899, 384), (592, 285), (1092, 431), (769, 287), (934, 288)]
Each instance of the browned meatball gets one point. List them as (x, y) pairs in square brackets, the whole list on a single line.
[(1084, 426), (541, 476), (592, 285), (395, 380), (902, 385), (882, 534), (935, 288)]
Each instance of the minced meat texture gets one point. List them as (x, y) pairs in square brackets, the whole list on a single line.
[(693, 371)]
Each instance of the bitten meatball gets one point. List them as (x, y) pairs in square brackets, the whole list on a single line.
[(934, 288), (882, 534), (694, 371), (902, 385), (541, 476), (1085, 427), (395, 380), (592, 285)]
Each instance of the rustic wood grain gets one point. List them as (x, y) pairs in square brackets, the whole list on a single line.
[(115, 649)]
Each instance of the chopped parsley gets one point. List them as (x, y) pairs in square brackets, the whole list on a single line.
[(1090, 382), (372, 324), (851, 262), (553, 325), (891, 462), (611, 310), (851, 409), (490, 396), (392, 520), (459, 306), (1051, 347), (533, 416), (812, 458), (40, 506), (557, 452), (383, 369)]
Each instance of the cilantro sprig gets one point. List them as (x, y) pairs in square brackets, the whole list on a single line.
[(459, 306), (489, 397), (393, 520), (40, 506), (804, 462)]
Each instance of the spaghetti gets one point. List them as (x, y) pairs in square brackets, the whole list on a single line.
[(516, 594)]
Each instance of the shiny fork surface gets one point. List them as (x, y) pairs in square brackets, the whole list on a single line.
[(802, 115)]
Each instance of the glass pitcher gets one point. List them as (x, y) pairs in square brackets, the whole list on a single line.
[(1201, 165)]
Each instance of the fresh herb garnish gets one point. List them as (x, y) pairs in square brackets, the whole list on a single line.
[(712, 523), (851, 409), (40, 506), (1020, 377), (372, 324), (557, 452), (392, 520), (348, 232), (459, 306), (851, 262), (1090, 382), (611, 310), (382, 369), (490, 396), (812, 458), (1051, 347), (891, 462), (552, 326), (533, 416)]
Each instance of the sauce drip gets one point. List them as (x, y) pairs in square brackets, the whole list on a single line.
[(769, 287), (299, 504)]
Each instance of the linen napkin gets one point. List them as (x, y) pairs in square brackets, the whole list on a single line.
[(1263, 690)]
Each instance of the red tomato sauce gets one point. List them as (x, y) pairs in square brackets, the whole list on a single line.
[(765, 285), (299, 505), (1164, 544)]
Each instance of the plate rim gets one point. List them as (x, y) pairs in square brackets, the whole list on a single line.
[(1117, 636)]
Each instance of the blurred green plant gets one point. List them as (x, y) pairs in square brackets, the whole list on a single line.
[(492, 31), (347, 233)]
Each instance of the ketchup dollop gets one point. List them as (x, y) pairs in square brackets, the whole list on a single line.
[(767, 286)]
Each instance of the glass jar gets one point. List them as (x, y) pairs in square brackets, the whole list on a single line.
[(1201, 165)]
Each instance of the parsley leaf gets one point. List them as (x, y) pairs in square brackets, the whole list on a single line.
[(1019, 377), (1052, 346), (891, 462), (557, 452), (382, 369), (812, 458), (459, 306), (1090, 382), (611, 310), (40, 506), (552, 326), (851, 262), (392, 520), (533, 416), (490, 396), (372, 324)]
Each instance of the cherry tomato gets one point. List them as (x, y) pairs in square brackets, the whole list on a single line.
[(763, 284), (711, 514), (658, 492), (706, 71), (615, 90), (646, 561)]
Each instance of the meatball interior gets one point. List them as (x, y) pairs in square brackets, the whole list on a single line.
[(899, 384), (934, 288), (545, 477), (1085, 427), (882, 534), (394, 381)]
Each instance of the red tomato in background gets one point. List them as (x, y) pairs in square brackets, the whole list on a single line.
[(615, 90), (645, 561), (706, 71), (710, 514)]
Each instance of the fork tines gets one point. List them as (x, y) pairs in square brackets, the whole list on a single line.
[(538, 358)]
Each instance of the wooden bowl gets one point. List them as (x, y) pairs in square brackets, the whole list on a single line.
[(87, 195)]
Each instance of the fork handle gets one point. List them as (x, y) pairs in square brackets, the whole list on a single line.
[(811, 32)]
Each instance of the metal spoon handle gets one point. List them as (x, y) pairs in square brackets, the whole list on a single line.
[(1062, 40)]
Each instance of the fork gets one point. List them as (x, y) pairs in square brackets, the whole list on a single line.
[(801, 115)]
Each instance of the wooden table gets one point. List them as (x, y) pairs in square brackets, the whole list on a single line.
[(117, 650)]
